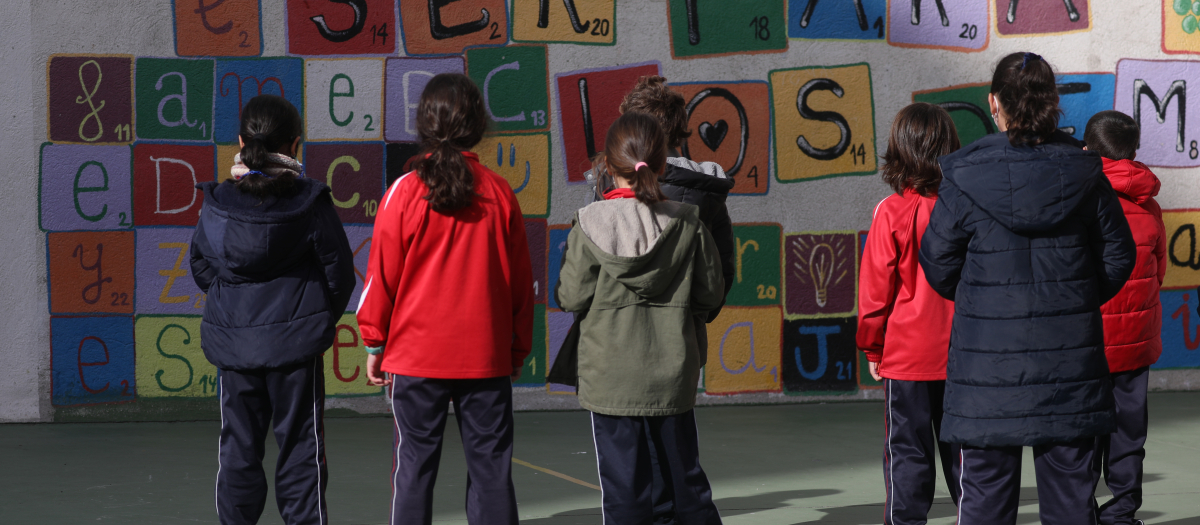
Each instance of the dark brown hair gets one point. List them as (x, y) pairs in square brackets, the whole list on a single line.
[(652, 96), (920, 134), (270, 124), (1025, 86), (1112, 134), (450, 119), (635, 137)]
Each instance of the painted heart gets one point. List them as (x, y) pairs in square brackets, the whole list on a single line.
[(713, 134)]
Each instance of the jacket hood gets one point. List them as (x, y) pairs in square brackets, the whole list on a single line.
[(707, 176), (642, 247), (249, 235), (1132, 179), (1025, 188)]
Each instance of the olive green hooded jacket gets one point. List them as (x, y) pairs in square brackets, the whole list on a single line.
[(646, 276)]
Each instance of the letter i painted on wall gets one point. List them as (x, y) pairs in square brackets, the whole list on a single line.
[(342, 27), (718, 27), (174, 99), (218, 28), (447, 27), (565, 22), (589, 102), (90, 99)]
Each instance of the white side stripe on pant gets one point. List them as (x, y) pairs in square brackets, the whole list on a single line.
[(399, 440), (598, 473), (221, 400), (317, 442)]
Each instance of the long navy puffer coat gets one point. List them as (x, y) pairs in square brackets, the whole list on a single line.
[(278, 271), (1028, 241)]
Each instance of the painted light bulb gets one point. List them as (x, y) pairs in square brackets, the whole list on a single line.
[(820, 269)]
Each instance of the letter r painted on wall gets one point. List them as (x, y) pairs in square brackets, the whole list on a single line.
[(1155, 93), (824, 122)]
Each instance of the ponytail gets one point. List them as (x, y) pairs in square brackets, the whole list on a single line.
[(451, 119), (1025, 86), (269, 124), (635, 150)]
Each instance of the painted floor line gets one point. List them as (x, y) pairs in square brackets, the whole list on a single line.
[(555, 474)]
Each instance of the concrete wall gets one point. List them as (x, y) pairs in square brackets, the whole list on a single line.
[(95, 100)]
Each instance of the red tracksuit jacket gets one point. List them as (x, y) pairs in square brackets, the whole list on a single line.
[(902, 323), (1133, 319), (451, 295)]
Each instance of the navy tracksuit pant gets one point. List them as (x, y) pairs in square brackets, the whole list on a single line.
[(623, 446), (1119, 455), (991, 484), (483, 410), (292, 400), (912, 424)]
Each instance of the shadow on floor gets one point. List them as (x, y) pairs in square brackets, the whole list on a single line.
[(729, 507)]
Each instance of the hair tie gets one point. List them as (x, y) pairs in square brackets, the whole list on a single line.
[(1029, 57), (639, 165), (256, 172)]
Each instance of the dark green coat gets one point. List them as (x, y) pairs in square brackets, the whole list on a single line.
[(646, 276)]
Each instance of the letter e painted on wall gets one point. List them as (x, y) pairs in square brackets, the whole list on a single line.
[(824, 122), (588, 103), (344, 99), (447, 27), (354, 174), (1155, 93), (218, 28), (91, 360), (743, 351), (342, 27), (85, 188), (568, 21), (730, 123), (91, 272), (406, 79), (512, 79), (346, 362), (90, 99)]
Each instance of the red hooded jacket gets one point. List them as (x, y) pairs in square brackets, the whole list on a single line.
[(1133, 319), (902, 323), (449, 295)]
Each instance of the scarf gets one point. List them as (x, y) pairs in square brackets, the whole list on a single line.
[(277, 164), (619, 193)]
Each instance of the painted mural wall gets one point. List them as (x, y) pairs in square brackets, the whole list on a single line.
[(135, 103)]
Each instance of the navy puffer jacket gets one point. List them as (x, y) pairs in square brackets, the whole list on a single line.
[(278, 271), (1028, 241)]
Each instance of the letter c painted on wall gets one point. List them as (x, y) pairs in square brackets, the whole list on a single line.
[(487, 102), (344, 159)]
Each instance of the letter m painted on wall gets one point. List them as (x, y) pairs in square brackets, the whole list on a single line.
[(1178, 89)]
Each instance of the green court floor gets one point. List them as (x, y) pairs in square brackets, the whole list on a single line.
[(780, 464)]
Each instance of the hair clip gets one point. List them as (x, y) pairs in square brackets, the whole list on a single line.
[(639, 165), (1027, 57)]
